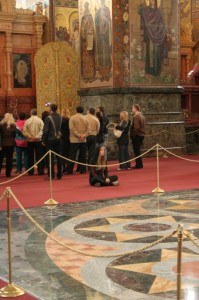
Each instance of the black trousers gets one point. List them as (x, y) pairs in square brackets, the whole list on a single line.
[(56, 147), (65, 152), (102, 180), (91, 144), (7, 151), (34, 151), (74, 147), (137, 143)]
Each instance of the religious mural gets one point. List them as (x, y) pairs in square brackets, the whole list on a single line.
[(22, 70), (96, 43), (195, 23), (67, 26), (195, 9), (154, 40)]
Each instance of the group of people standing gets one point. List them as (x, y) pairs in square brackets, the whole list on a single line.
[(80, 138)]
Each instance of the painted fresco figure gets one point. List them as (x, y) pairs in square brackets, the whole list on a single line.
[(87, 45), (103, 41), (75, 41), (155, 37), (22, 74)]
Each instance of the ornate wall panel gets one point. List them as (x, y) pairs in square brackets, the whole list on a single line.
[(195, 9), (154, 42), (96, 43), (121, 43), (57, 76), (195, 22)]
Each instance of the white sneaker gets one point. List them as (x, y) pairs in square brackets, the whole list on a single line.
[(115, 183)]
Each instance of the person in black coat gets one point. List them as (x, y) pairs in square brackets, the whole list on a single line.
[(123, 141), (99, 171), (51, 138), (8, 132), (65, 137), (100, 139)]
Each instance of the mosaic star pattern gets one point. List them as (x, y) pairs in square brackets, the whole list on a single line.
[(72, 265)]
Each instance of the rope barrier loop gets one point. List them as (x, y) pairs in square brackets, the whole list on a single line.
[(8, 190), (160, 148), (16, 291)]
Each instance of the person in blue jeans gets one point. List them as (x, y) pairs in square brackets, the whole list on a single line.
[(123, 141), (21, 144)]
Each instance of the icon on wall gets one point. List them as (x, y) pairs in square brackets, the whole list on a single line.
[(22, 70)]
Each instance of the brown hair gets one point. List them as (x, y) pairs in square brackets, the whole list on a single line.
[(137, 107), (101, 160)]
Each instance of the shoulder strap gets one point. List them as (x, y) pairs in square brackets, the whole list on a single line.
[(50, 117), (53, 123)]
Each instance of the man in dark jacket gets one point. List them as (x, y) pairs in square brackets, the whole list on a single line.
[(51, 138), (137, 133)]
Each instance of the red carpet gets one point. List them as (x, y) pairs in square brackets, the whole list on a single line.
[(175, 174)]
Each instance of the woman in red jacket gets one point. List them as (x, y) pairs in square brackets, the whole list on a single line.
[(21, 144)]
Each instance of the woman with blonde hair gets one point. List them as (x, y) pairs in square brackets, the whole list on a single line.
[(8, 131), (123, 141)]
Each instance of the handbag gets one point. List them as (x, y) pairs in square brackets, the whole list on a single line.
[(117, 133)]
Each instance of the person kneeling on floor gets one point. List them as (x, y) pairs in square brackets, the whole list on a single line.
[(99, 171)]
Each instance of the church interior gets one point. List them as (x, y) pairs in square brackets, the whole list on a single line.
[(126, 242)]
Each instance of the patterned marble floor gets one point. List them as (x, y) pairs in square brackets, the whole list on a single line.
[(89, 253)]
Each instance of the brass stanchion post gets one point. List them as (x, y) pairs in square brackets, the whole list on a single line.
[(158, 189), (50, 201), (179, 261), (10, 290)]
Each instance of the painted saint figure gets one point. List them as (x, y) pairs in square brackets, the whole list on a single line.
[(155, 37), (87, 45), (22, 73), (103, 41), (75, 37)]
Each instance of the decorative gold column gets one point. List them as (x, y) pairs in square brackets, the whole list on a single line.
[(39, 21), (38, 33), (8, 50)]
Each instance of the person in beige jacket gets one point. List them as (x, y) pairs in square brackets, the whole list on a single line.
[(79, 130), (94, 130), (33, 130)]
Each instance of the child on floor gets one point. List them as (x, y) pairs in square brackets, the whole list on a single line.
[(99, 171)]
